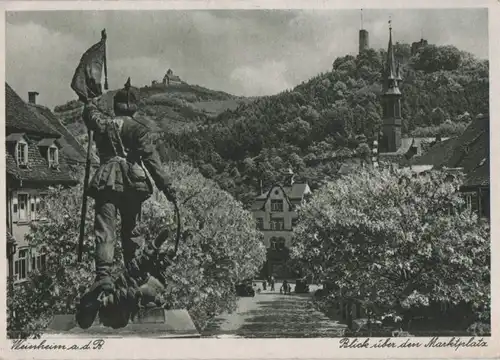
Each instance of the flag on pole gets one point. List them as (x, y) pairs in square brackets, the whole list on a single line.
[(88, 75)]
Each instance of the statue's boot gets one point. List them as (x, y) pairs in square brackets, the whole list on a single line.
[(91, 301), (124, 303), (115, 309)]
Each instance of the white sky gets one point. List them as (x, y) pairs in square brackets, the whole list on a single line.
[(243, 52)]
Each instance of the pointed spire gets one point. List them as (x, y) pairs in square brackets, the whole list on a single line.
[(361, 19), (391, 70), (127, 84)]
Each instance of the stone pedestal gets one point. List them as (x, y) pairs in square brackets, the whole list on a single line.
[(150, 323)]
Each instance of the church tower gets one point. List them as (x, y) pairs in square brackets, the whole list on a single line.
[(391, 102)]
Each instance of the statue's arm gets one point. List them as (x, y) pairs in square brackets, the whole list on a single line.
[(94, 119), (151, 160)]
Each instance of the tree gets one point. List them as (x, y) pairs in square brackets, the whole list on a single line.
[(395, 241), (220, 248), (438, 77), (433, 58), (438, 116)]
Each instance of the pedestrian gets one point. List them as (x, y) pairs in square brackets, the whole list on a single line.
[(120, 185), (264, 285), (284, 287), (271, 281)]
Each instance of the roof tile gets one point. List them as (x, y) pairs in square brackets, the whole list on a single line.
[(40, 129), (19, 118)]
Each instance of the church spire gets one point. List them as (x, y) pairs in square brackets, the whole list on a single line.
[(391, 70), (391, 102)]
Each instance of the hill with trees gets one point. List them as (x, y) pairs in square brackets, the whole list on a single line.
[(315, 126)]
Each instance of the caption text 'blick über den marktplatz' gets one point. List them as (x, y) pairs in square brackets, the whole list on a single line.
[(402, 343)]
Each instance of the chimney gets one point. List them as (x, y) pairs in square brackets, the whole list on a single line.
[(32, 97), (289, 175)]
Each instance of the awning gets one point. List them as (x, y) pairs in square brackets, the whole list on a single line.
[(14, 137), (46, 142)]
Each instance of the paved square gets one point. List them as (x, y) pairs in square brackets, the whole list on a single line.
[(271, 314)]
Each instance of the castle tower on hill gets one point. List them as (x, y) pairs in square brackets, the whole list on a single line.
[(391, 102), (363, 40), (363, 37)]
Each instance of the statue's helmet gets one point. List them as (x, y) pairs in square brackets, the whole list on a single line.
[(125, 101)]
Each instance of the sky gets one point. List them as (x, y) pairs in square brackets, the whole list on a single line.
[(242, 52)]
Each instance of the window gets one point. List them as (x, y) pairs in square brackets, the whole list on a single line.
[(22, 207), (277, 224), (485, 204), (471, 201), (277, 205), (273, 243), (38, 261), (37, 206), (22, 153), (53, 156), (280, 244), (32, 207), (260, 223), (15, 207), (277, 243), (21, 265), (40, 206)]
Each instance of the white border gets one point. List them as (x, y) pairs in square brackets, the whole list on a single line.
[(268, 348)]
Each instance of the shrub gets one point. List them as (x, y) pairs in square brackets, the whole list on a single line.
[(223, 248), (394, 241)]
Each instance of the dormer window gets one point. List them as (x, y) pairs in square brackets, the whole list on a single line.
[(50, 150), (17, 145), (53, 156), (22, 153)]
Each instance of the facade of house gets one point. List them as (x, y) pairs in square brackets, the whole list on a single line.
[(275, 215), (40, 153)]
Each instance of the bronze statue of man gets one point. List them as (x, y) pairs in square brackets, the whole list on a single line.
[(121, 184)]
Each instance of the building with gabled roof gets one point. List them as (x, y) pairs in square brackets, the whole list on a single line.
[(171, 79), (275, 214), (469, 154), (72, 150), (40, 152)]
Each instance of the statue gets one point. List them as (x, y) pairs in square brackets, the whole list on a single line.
[(140, 285), (126, 150)]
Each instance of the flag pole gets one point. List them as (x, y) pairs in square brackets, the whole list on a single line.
[(104, 37), (88, 162), (84, 200)]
